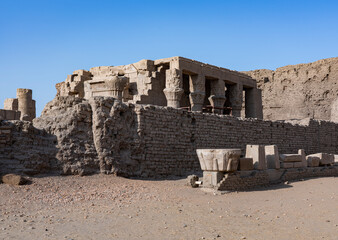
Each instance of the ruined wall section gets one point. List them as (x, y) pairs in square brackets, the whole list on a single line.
[(69, 119), (171, 137), (116, 139), (24, 148), (299, 91)]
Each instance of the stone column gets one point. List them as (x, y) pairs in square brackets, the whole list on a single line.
[(24, 97), (236, 98), (173, 91), (253, 103), (116, 85), (217, 98), (197, 92)]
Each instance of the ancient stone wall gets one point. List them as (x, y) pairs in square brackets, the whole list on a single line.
[(171, 137), (104, 135), (24, 148), (299, 91)]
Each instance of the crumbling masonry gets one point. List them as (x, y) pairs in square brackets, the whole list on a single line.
[(148, 119)]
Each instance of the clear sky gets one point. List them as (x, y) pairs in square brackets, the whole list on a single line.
[(43, 41)]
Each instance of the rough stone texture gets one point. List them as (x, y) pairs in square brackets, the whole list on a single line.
[(299, 91), (25, 149), (70, 120), (312, 161), (103, 134), (246, 164), (324, 158), (13, 179), (246, 180), (290, 157), (191, 181)]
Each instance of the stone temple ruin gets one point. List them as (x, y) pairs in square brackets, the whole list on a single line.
[(151, 119), (174, 82), (20, 108)]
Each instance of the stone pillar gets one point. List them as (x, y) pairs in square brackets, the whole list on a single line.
[(116, 85), (217, 98), (236, 98), (25, 102), (197, 92), (253, 103), (173, 91)]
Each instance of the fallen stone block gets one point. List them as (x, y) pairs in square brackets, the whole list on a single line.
[(257, 153), (212, 178), (13, 179), (246, 164), (302, 153), (298, 164), (290, 157), (286, 164), (325, 158), (272, 157), (312, 161)]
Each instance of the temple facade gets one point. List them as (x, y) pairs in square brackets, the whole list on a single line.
[(174, 82)]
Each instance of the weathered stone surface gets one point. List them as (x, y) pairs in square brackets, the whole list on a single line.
[(290, 157), (312, 161), (191, 181), (13, 179), (257, 153), (246, 164), (287, 165), (325, 158), (212, 178), (272, 157), (299, 91), (222, 160)]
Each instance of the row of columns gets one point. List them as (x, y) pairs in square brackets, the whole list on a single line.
[(174, 91)]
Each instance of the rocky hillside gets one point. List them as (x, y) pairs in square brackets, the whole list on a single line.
[(299, 91)]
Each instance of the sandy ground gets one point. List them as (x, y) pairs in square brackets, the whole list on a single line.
[(108, 207)]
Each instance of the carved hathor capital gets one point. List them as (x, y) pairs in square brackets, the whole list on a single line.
[(196, 101), (217, 102), (117, 84), (173, 96)]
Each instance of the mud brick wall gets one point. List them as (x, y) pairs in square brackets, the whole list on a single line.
[(171, 137), (24, 148)]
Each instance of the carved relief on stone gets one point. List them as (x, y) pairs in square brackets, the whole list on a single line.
[(174, 78)]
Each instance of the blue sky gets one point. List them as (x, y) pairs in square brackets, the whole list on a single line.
[(43, 41)]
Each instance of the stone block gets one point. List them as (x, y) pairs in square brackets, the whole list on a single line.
[(272, 157), (212, 178), (325, 158), (246, 164), (257, 153), (286, 164), (298, 164), (312, 161), (290, 157)]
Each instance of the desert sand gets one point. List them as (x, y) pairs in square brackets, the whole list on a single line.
[(109, 207)]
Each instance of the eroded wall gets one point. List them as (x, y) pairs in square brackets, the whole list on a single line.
[(105, 135)]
